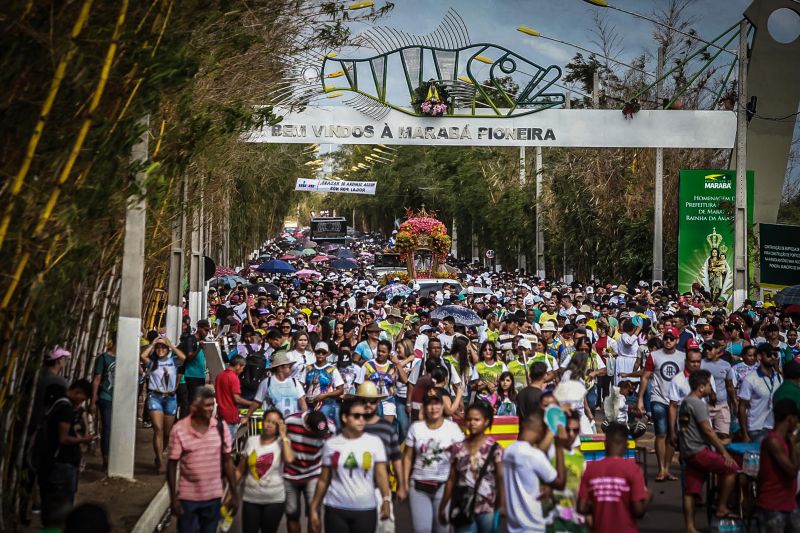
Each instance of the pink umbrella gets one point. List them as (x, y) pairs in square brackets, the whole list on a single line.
[(321, 259), (307, 273), (287, 258)]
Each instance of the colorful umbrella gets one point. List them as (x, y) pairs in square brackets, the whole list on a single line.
[(309, 251), (224, 271), (330, 247), (307, 273), (462, 315), (310, 244), (276, 266), (395, 289), (287, 258), (344, 264), (321, 259), (295, 253)]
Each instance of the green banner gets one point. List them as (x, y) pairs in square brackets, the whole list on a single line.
[(707, 200)]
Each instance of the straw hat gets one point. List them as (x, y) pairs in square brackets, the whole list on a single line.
[(280, 359), (368, 390)]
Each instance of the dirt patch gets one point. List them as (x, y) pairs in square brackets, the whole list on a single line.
[(124, 500)]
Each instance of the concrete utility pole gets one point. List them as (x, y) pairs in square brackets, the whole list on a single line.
[(595, 90), (522, 260), (176, 268), (196, 264), (658, 210), (126, 381), (539, 224), (740, 219)]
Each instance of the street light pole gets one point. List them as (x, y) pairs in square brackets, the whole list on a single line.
[(740, 218), (658, 209)]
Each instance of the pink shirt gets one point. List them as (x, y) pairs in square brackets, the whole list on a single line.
[(199, 456)]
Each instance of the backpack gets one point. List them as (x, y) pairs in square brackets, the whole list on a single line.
[(41, 456), (255, 368)]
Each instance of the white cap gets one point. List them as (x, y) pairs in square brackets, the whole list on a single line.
[(321, 346), (580, 317), (525, 343)]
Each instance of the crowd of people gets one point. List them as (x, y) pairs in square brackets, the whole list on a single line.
[(366, 395)]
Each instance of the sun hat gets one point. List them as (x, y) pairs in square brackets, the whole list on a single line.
[(368, 390), (622, 289), (280, 358), (548, 326), (395, 312)]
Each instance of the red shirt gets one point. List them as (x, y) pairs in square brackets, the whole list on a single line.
[(776, 487), (226, 385), (611, 484)]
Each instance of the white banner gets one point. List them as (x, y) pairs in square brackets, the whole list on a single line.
[(341, 186), (553, 127)]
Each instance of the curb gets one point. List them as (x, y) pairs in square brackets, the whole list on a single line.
[(151, 517)]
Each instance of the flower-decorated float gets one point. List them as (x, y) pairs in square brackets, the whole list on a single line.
[(423, 244)]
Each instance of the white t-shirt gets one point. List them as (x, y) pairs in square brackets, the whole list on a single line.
[(524, 467), (283, 395), (432, 449), (300, 360), (679, 388), (421, 345), (664, 367), (352, 463), (352, 376), (419, 365), (263, 482), (758, 389), (447, 342)]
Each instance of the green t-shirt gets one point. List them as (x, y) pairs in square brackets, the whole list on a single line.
[(196, 368), (105, 365), (520, 373), (486, 373), (787, 390)]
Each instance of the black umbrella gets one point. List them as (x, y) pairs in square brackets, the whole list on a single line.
[(345, 253), (271, 288), (462, 315), (788, 295)]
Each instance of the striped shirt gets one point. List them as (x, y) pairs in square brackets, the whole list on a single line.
[(385, 431), (307, 451), (199, 456)]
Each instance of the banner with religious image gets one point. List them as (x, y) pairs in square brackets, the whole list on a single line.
[(706, 205)]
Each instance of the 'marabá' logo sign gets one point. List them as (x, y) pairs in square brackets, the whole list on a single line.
[(712, 181)]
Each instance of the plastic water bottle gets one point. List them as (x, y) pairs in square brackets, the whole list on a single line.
[(750, 464), (730, 525)]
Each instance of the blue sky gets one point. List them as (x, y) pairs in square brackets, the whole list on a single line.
[(495, 21)]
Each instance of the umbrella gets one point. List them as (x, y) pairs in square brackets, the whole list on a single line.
[(310, 244), (224, 271), (227, 281), (295, 253), (271, 288), (788, 295), (330, 247), (306, 272), (289, 238), (309, 251), (321, 259), (287, 258), (462, 315), (395, 289), (345, 253), (344, 264), (276, 266), (451, 269)]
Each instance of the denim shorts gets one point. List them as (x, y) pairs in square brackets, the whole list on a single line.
[(166, 403), (660, 417)]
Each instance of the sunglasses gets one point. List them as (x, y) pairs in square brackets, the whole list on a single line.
[(669, 338), (371, 401), (358, 416)]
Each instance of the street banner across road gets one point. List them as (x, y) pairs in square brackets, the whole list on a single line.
[(707, 199), (340, 186), (780, 257), (552, 127)]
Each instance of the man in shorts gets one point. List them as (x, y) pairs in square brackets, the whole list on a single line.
[(662, 366), (696, 438)]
